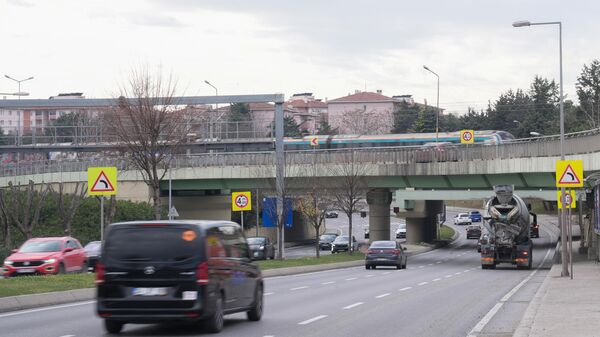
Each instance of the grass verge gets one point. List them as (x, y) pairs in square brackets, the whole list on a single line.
[(307, 261), (25, 285), (446, 233)]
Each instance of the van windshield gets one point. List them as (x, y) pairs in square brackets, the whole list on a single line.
[(152, 243)]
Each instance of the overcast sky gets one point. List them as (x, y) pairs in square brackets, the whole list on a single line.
[(330, 48)]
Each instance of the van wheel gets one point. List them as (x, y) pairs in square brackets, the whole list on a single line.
[(255, 313), (214, 323), (113, 326)]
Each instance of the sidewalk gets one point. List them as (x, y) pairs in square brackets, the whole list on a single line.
[(564, 306)]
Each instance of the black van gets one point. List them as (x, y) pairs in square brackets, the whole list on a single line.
[(157, 271)]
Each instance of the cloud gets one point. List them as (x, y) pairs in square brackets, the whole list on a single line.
[(155, 21), (21, 3)]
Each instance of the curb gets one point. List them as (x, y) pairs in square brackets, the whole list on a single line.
[(22, 302)]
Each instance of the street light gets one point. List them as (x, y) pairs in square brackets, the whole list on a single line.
[(437, 103), (216, 108), (19, 82), (563, 236)]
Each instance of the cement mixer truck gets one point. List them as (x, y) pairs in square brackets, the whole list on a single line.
[(506, 234)]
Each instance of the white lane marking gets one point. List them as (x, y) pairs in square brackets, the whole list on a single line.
[(330, 282), (466, 271), (308, 321), (267, 294), (382, 295), (405, 288), (488, 317), (268, 336), (437, 279), (410, 268), (422, 283), (439, 262), (370, 275), (447, 276), (298, 288), (353, 305), (67, 336), (430, 264), (387, 272), (458, 273), (421, 266), (45, 309), (351, 279)]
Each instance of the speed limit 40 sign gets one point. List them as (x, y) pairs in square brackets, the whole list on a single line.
[(241, 201)]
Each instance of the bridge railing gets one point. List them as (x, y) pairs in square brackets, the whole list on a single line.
[(383, 155)]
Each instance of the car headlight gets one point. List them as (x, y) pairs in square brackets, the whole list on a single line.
[(50, 261), (8, 262), (261, 247)]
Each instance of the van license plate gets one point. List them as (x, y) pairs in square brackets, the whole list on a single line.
[(149, 291)]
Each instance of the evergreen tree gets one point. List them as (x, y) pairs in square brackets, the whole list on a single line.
[(425, 120), (325, 128), (588, 92), (404, 118)]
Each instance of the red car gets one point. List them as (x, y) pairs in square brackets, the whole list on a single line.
[(54, 255)]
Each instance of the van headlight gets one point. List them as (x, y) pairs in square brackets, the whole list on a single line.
[(50, 261)]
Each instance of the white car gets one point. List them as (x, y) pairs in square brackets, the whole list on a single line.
[(401, 230), (462, 219)]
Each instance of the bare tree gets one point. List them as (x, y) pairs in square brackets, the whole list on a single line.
[(22, 206), (351, 187), (150, 127), (67, 204)]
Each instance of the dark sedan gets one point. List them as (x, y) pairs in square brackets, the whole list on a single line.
[(261, 248), (325, 240), (473, 232), (92, 250), (385, 253), (331, 214)]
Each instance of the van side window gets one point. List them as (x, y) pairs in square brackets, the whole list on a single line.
[(240, 244), (228, 237), (215, 247)]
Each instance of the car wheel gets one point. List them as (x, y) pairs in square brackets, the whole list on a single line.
[(214, 323), (367, 266), (61, 269), (255, 313), (373, 267), (399, 266), (113, 326)]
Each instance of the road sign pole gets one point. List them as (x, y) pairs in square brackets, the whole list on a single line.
[(101, 218), (257, 222), (570, 235), (242, 220)]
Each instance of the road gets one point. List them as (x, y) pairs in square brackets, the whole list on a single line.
[(442, 293)]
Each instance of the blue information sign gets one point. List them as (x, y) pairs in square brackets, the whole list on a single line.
[(270, 212)]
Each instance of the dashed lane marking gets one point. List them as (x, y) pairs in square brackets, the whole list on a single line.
[(299, 288), (330, 282), (382, 295), (405, 288), (314, 319), (437, 279), (352, 305), (422, 283), (267, 294), (351, 279)]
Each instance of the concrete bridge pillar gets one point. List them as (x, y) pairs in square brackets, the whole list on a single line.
[(379, 200), (422, 226)]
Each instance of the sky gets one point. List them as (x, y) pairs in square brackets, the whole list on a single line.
[(330, 48)]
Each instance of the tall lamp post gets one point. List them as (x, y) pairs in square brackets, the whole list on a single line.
[(563, 224), (437, 103), (20, 94), (216, 108)]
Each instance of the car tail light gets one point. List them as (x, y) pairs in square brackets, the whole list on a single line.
[(202, 273), (99, 273), (370, 251), (396, 252)]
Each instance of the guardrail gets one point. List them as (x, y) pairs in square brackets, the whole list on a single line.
[(543, 147)]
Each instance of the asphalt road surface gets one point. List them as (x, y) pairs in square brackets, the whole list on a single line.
[(442, 293)]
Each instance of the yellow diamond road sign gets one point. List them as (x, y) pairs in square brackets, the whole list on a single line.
[(568, 200), (102, 180), (467, 136), (241, 201), (569, 173)]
